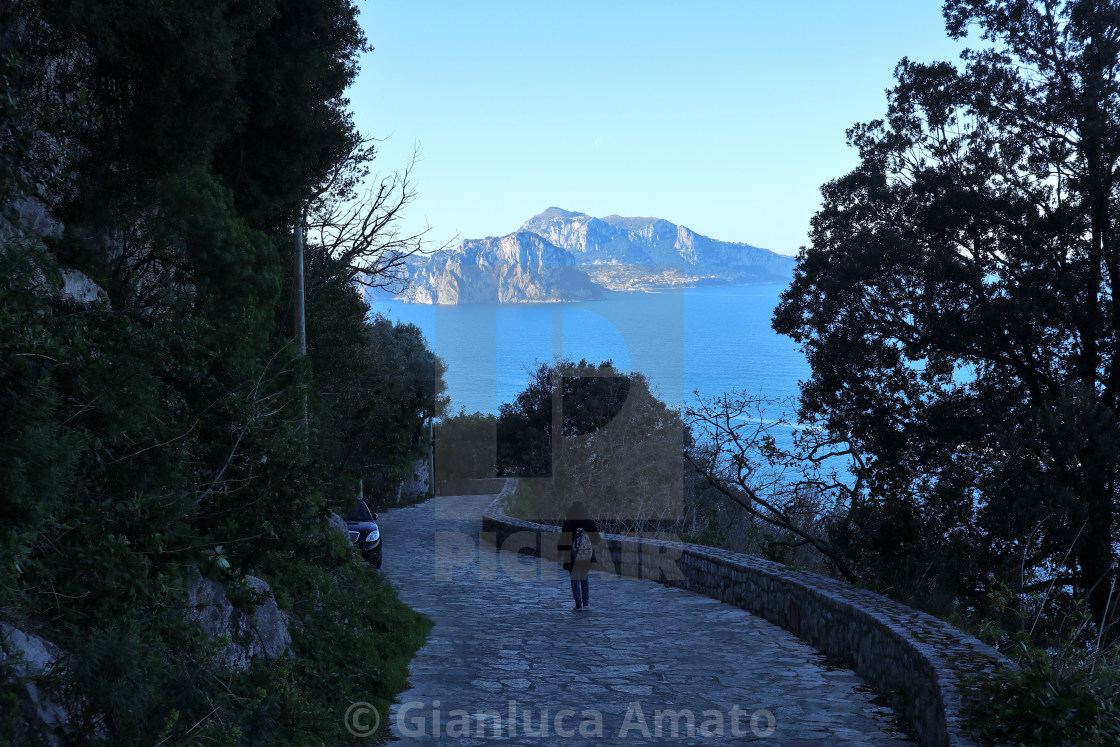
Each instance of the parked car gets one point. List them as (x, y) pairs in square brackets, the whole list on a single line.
[(361, 527)]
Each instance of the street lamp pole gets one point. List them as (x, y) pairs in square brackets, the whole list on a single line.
[(300, 324), (298, 312)]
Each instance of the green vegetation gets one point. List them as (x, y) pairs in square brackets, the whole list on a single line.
[(959, 433), (1062, 696), (618, 447), (957, 307), (161, 154), (465, 445)]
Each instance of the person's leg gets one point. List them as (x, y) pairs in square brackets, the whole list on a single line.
[(576, 592), (583, 590)]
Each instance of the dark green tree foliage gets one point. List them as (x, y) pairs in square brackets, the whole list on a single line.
[(375, 384), (130, 59), (618, 447), (524, 428), (465, 446), (957, 308), (153, 86), (584, 398), (294, 127), (156, 149)]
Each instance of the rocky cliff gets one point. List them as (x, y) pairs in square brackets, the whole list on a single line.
[(651, 247), (560, 255), (521, 267)]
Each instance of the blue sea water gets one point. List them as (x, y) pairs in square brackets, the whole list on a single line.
[(710, 340)]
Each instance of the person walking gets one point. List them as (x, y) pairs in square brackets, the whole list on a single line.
[(581, 534)]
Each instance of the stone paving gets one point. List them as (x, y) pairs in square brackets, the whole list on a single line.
[(508, 659)]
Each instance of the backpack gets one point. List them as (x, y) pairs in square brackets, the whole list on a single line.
[(581, 546)]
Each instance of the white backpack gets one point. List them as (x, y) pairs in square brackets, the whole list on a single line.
[(581, 546)]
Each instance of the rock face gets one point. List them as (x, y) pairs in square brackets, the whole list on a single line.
[(79, 287), (337, 523), (419, 484), (657, 246), (260, 635), (521, 267), (560, 255), (27, 658)]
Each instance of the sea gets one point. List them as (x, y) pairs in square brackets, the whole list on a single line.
[(688, 342)]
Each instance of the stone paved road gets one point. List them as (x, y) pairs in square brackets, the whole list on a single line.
[(508, 659)]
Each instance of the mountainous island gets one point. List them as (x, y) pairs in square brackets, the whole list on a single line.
[(559, 255)]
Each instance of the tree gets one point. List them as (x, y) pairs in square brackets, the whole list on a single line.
[(579, 397), (956, 302), (374, 383), (465, 446), (796, 486), (294, 129), (596, 432), (160, 152), (354, 221)]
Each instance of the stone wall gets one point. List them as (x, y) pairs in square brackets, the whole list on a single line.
[(914, 658)]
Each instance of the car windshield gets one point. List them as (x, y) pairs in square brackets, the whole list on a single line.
[(360, 512)]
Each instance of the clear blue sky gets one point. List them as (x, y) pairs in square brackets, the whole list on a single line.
[(725, 116)]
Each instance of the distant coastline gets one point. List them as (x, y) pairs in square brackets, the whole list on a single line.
[(559, 256)]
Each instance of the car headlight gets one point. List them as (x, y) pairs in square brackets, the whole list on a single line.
[(373, 536), (353, 535)]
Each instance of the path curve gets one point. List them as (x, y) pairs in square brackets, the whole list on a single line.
[(508, 660)]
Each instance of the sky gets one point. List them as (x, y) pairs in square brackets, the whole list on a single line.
[(725, 116)]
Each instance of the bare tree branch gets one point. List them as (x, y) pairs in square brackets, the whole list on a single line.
[(796, 488), (354, 222)]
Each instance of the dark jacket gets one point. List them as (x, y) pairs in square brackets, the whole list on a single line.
[(568, 531)]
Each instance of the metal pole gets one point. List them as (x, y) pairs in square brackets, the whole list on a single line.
[(300, 323), (300, 320)]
